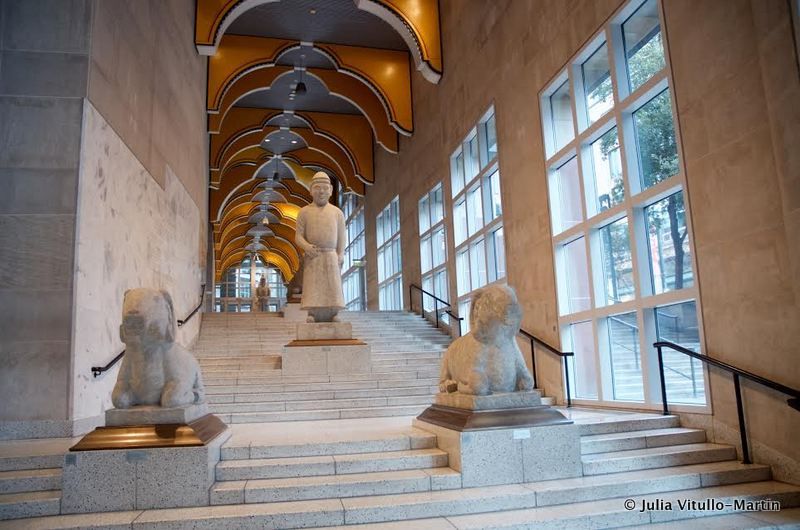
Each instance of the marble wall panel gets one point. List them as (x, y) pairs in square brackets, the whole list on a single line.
[(148, 81), (43, 74), (46, 25), (23, 191), (130, 233), (41, 366)]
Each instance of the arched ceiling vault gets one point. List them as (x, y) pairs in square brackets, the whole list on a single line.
[(300, 86), (417, 22)]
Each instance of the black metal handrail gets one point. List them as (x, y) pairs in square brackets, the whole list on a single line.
[(97, 370), (436, 301), (564, 355), (196, 309), (794, 402)]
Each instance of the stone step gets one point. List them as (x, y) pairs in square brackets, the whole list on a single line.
[(635, 422), (29, 504), (334, 486), (338, 385), (656, 457), (330, 465), (24, 462), (27, 480), (604, 443), (342, 404), (407, 440), (515, 506), (325, 414), (277, 377), (321, 395), (611, 513)]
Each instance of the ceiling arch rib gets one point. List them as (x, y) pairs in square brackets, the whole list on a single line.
[(340, 85), (416, 21), (351, 133), (240, 177), (255, 156), (386, 72)]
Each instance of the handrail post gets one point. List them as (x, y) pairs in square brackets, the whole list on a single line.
[(533, 365), (740, 410), (663, 384), (436, 310), (411, 298), (566, 376)]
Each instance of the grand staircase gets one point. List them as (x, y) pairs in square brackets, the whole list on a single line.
[(240, 357), (336, 451)]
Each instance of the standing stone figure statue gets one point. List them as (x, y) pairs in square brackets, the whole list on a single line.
[(262, 293), (321, 235), (155, 369)]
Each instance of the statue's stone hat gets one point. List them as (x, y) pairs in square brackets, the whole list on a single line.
[(320, 177)]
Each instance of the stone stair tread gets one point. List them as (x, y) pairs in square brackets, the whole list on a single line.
[(30, 496), (612, 513), (26, 473), (644, 433), (603, 443), (302, 460), (650, 451), (29, 504), (785, 519), (28, 480)]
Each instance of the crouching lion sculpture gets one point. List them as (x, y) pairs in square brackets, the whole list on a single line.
[(155, 370), (488, 360)]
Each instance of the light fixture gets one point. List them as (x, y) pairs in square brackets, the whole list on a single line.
[(294, 141)]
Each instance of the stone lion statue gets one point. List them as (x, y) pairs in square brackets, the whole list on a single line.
[(487, 359), (155, 369)]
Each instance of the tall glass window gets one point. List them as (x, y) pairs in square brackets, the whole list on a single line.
[(622, 237), (432, 249), (565, 196), (479, 246), (353, 273), (390, 270)]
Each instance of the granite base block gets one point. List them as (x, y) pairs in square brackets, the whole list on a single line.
[(504, 400), (154, 415), (139, 479), (324, 330), (292, 311), (325, 359), (509, 455)]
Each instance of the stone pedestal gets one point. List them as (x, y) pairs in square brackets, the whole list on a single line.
[(140, 467), (292, 311), (152, 415), (505, 400), (492, 446), (324, 331), (317, 357)]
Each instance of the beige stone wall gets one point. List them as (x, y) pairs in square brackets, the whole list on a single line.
[(147, 80), (736, 90), (738, 100)]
